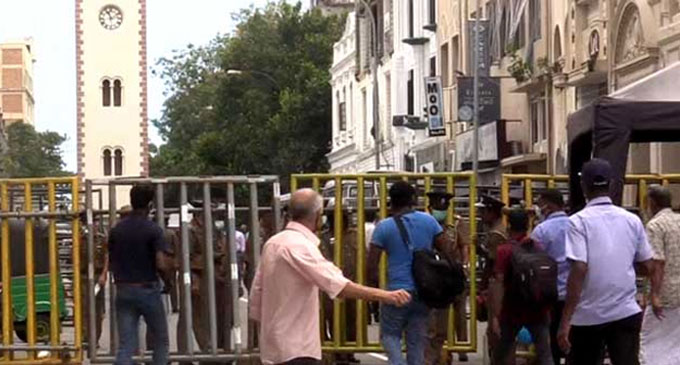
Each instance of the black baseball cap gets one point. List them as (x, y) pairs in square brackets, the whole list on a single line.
[(518, 220), (596, 173), (440, 198)]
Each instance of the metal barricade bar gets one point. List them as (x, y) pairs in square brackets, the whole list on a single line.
[(216, 349), (339, 343), (49, 266)]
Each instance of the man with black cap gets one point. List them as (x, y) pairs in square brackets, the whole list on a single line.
[(458, 243), (491, 213), (199, 282), (604, 245)]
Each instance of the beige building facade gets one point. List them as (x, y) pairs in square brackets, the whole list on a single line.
[(112, 90), (17, 101), (553, 58)]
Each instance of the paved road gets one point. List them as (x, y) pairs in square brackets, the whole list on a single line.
[(367, 359)]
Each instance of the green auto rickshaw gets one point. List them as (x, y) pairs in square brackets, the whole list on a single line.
[(41, 282)]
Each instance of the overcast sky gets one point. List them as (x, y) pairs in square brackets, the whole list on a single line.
[(172, 24)]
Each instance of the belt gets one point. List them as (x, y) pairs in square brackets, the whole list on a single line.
[(148, 284)]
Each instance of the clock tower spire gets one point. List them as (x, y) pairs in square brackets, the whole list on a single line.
[(112, 89)]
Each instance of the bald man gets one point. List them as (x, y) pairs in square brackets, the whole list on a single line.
[(285, 293)]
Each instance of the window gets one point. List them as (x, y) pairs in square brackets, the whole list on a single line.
[(454, 57), (106, 93), (433, 66), (117, 90), (351, 106), (343, 116), (337, 107), (364, 116), (388, 101), (410, 94), (410, 19), (445, 65), (107, 162), (539, 127), (118, 162), (535, 21), (433, 12)]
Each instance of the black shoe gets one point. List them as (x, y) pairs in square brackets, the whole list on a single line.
[(463, 357)]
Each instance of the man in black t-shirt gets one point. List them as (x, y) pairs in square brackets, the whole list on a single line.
[(136, 253)]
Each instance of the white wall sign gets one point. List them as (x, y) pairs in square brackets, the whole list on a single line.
[(487, 147), (433, 96)]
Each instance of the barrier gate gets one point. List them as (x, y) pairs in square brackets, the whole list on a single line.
[(37, 284), (238, 195), (362, 193)]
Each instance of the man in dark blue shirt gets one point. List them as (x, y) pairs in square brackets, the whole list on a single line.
[(136, 254)]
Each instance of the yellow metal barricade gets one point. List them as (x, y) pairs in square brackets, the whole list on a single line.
[(18, 203), (635, 188), (359, 193)]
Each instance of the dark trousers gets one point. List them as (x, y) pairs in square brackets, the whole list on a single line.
[(555, 319), (132, 303), (621, 338), (302, 361)]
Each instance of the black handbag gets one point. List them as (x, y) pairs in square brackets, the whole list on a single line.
[(438, 281)]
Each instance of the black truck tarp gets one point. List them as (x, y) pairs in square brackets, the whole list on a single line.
[(647, 111)]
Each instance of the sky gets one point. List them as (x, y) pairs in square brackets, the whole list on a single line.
[(171, 24)]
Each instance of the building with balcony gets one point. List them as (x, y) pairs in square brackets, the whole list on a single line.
[(16, 81)]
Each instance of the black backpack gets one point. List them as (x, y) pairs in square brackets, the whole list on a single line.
[(533, 276), (437, 280)]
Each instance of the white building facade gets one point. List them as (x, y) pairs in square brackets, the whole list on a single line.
[(407, 53)]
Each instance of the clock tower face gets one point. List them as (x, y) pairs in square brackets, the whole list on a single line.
[(112, 90), (110, 17)]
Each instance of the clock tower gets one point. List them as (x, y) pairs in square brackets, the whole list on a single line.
[(112, 89)]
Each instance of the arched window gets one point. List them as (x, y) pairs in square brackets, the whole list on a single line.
[(117, 90), (118, 162), (107, 162), (557, 44), (106, 93)]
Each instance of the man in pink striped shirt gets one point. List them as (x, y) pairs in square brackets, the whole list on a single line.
[(285, 295)]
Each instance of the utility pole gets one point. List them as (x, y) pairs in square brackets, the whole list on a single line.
[(475, 68), (374, 73)]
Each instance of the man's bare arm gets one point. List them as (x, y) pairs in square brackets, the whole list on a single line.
[(444, 246), (356, 291), (373, 265), (577, 275)]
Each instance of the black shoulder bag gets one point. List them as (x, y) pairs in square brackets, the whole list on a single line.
[(437, 280)]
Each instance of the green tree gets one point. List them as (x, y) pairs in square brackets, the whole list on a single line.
[(217, 123), (31, 153)]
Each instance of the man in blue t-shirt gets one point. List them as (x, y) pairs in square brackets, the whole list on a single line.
[(423, 231), (136, 254)]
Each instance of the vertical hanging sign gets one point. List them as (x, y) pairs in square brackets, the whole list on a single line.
[(433, 97)]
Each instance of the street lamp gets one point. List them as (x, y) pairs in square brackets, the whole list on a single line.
[(235, 72)]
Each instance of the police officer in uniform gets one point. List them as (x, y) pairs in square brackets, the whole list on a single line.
[(491, 213), (458, 238), (101, 264), (199, 284)]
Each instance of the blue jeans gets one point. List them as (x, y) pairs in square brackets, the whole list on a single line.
[(412, 318), (133, 302)]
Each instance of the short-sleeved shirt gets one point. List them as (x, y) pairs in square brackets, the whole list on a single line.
[(133, 244), (512, 311), (664, 236), (422, 229), (552, 233), (285, 294), (610, 240)]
